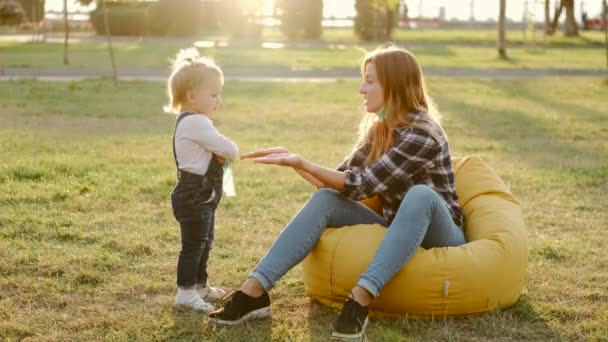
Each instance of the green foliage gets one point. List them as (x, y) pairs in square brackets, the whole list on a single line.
[(238, 18), (376, 19), (11, 12), (300, 19), (34, 9), (179, 18), (125, 18)]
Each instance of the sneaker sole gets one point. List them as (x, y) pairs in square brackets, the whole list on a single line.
[(351, 337), (259, 313)]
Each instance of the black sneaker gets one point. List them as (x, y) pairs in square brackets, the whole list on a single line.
[(240, 307), (352, 321)]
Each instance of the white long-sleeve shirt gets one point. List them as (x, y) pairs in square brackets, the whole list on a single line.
[(196, 140)]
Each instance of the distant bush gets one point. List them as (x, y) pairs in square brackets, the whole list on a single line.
[(237, 18), (300, 19), (177, 18), (34, 9), (125, 18), (11, 12), (376, 19)]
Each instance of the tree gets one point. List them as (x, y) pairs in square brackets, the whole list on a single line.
[(502, 39), (102, 3), (300, 19), (11, 12), (66, 26), (570, 26), (605, 22), (109, 38), (34, 9), (376, 19)]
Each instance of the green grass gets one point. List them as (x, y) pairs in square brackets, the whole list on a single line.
[(156, 54), (88, 244)]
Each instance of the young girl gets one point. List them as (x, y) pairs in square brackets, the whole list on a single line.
[(194, 89), (403, 158)]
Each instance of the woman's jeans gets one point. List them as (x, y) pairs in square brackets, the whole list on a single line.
[(423, 219)]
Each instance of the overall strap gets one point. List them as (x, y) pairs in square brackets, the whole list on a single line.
[(180, 117)]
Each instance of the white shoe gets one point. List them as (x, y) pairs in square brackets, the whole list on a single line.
[(191, 299), (211, 293)]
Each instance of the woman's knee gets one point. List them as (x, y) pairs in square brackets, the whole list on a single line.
[(325, 194), (420, 192)]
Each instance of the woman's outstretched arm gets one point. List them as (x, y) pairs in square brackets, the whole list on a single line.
[(264, 152), (307, 169)]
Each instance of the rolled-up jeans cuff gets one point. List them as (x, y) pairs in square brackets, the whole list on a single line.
[(263, 279), (369, 286)]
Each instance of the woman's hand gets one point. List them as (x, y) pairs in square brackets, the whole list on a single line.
[(283, 159), (264, 152)]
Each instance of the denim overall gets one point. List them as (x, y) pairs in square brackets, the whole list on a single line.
[(194, 200)]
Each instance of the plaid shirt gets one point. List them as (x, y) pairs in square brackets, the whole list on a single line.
[(416, 158)]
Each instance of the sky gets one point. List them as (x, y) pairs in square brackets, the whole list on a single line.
[(458, 9)]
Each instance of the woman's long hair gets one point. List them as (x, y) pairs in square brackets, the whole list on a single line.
[(401, 79)]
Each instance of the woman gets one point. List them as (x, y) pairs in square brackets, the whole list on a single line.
[(403, 158)]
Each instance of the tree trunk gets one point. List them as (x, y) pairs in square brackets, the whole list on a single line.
[(570, 27), (502, 48), (66, 61), (548, 27), (558, 13), (605, 16), (109, 38)]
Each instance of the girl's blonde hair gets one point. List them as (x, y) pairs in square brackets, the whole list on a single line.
[(401, 79), (189, 71)]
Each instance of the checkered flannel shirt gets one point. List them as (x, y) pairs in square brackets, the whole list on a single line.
[(416, 158)]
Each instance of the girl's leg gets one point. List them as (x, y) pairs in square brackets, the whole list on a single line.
[(423, 219), (194, 241), (202, 276), (326, 208)]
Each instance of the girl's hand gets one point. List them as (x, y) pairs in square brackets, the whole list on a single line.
[(264, 152), (283, 159), (220, 159)]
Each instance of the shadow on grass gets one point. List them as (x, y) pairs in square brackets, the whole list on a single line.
[(534, 140), (520, 322), (319, 321), (190, 325)]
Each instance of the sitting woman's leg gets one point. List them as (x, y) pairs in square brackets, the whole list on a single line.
[(326, 208), (423, 219)]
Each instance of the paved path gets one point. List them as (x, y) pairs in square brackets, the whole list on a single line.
[(299, 44), (278, 74)]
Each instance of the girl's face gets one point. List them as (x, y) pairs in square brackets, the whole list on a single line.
[(372, 91), (207, 99)]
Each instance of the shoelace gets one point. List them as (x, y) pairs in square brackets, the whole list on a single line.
[(227, 297), (349, 308)]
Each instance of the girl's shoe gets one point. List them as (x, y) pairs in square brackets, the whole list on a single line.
[(211, 293), (191, 299)]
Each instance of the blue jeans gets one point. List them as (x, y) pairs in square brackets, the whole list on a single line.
[(423, 219)]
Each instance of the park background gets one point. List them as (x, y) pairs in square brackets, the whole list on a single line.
[(88, 244)]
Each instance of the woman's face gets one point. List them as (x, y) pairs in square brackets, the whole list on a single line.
[(372, 91)]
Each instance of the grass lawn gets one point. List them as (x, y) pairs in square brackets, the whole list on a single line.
[(156, 54), (88, 244)]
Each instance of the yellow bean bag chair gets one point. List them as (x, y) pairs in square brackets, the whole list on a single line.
[(486, 273)]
